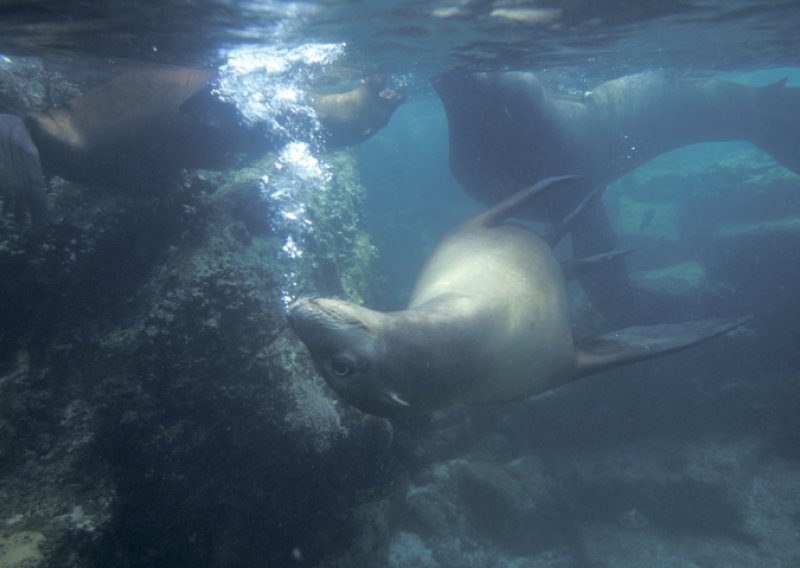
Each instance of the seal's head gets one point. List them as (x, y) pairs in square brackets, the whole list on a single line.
[(348, 345), (353, 116), (387, 99)]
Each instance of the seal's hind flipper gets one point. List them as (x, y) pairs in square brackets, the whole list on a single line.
[(512, 204), (646, 342), (576, 267), (555, 233)]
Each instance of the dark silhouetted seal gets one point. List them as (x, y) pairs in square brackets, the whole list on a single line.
[(145, 124), (507, 129)]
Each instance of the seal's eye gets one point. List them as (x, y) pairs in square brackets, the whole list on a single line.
[(340, 368)]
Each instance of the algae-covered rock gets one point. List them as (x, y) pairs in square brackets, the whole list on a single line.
[(470, 512), (631, 471), (758, 259), (710, 221), (693, 190), (685, 277), (33, 83), (149, 382), (341, 247), (20, 549), (408, 549)]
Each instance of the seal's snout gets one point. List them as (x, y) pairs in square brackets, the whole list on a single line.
[(313, 318), (298, 313)]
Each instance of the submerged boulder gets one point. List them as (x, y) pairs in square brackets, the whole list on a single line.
[(155, 412)]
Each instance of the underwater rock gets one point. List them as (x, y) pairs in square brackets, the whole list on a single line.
[(748, 255), (469, 512), (684, 279), (709, 221), (514, 505), (653, 503), (657, 470), (756, 260), (682, 291), (408, 549), (56, 499), (20, 549), (429, 504), (147, 382), (31, 82), (674, 202)]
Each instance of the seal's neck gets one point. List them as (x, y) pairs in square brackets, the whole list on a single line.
[(446, 321), (435, 347)]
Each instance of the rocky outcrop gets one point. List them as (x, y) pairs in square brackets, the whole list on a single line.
[(685, 467), (154, 409), (759, 259)]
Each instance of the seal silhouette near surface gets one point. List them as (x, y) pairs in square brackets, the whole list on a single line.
[(488, 321), (144, 125)]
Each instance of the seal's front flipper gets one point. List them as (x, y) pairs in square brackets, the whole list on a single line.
[(608, 286), (21, 178), (576, 267), (646, 342), (512, 204), (555, 233)]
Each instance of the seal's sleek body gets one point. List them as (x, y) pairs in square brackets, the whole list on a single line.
[(129, 125), (140, 120), (144, 125), (488, 321), (509, 129), (507, 283)]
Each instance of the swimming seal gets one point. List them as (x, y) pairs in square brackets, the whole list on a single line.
[(350, 118), (144, 125), (128, 127), (508, 129), (488, 321)]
